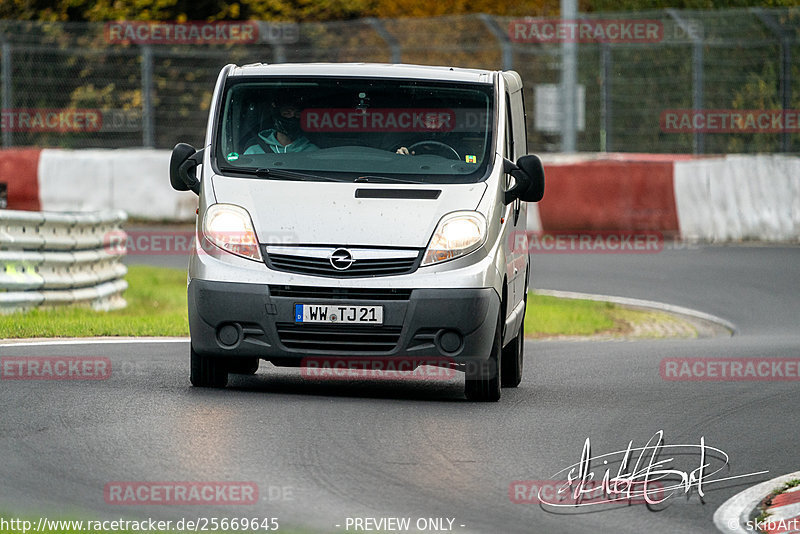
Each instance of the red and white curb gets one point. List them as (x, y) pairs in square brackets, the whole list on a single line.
[(784, 513), (706, 198), (736, 515)]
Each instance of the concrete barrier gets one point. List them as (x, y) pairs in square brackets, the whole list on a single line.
[(739, 198), (133, 180)]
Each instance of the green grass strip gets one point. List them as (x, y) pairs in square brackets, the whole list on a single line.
[(552, 316), (157, 307)]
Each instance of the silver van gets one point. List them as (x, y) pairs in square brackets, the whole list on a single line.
[(361, 210)]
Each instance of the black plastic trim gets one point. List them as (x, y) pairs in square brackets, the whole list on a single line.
[(410, 194)]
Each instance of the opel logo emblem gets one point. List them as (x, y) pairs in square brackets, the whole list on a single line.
[(341, 259)]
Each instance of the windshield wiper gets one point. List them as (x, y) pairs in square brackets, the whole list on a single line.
[(279, 173), (377, 179)]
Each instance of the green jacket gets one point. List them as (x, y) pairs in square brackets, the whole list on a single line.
[(268, 136)]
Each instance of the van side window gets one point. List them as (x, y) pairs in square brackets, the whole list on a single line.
[(524, 125), (509, 148)]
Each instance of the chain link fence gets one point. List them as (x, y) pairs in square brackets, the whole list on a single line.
[(81, 85)]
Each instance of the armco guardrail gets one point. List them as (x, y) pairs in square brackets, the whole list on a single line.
[(52, 259)]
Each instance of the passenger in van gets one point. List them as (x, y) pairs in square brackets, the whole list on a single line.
[(286, 135)]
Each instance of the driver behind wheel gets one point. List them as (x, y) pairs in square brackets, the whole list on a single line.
[(433, 133), (286, 134)]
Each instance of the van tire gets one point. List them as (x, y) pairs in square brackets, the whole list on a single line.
[(513, 355), (246, 366), (208, 371), (483, 378)]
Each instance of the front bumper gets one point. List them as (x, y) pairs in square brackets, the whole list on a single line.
[(232, 319)]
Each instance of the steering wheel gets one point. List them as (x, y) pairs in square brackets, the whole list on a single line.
[(442, 147)]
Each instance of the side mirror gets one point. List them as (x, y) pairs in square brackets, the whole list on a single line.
[(182, 168), (528, 173), (532, 166)]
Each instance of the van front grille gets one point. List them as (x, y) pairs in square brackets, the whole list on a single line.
[(365, 262)]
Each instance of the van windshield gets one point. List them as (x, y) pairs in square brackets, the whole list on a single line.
[(356, 129)]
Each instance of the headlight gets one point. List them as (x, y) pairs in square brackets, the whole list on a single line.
[(457, 234), (229, 227)]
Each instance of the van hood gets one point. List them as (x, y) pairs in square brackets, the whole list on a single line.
[(345, 214)]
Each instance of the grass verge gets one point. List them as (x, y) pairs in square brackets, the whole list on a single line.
[(548, 316), (157, 307)]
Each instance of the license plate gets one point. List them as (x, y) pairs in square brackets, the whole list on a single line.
[(321, 313)]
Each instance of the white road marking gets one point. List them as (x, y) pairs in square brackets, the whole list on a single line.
[(91, 341)]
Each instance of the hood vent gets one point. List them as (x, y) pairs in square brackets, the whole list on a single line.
[(411, 194)]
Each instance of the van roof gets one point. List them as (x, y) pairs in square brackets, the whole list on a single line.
[(366, 70)]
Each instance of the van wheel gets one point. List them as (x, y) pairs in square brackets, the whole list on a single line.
[(243, 366), (483, 378), (512, 359), (208, 371)]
